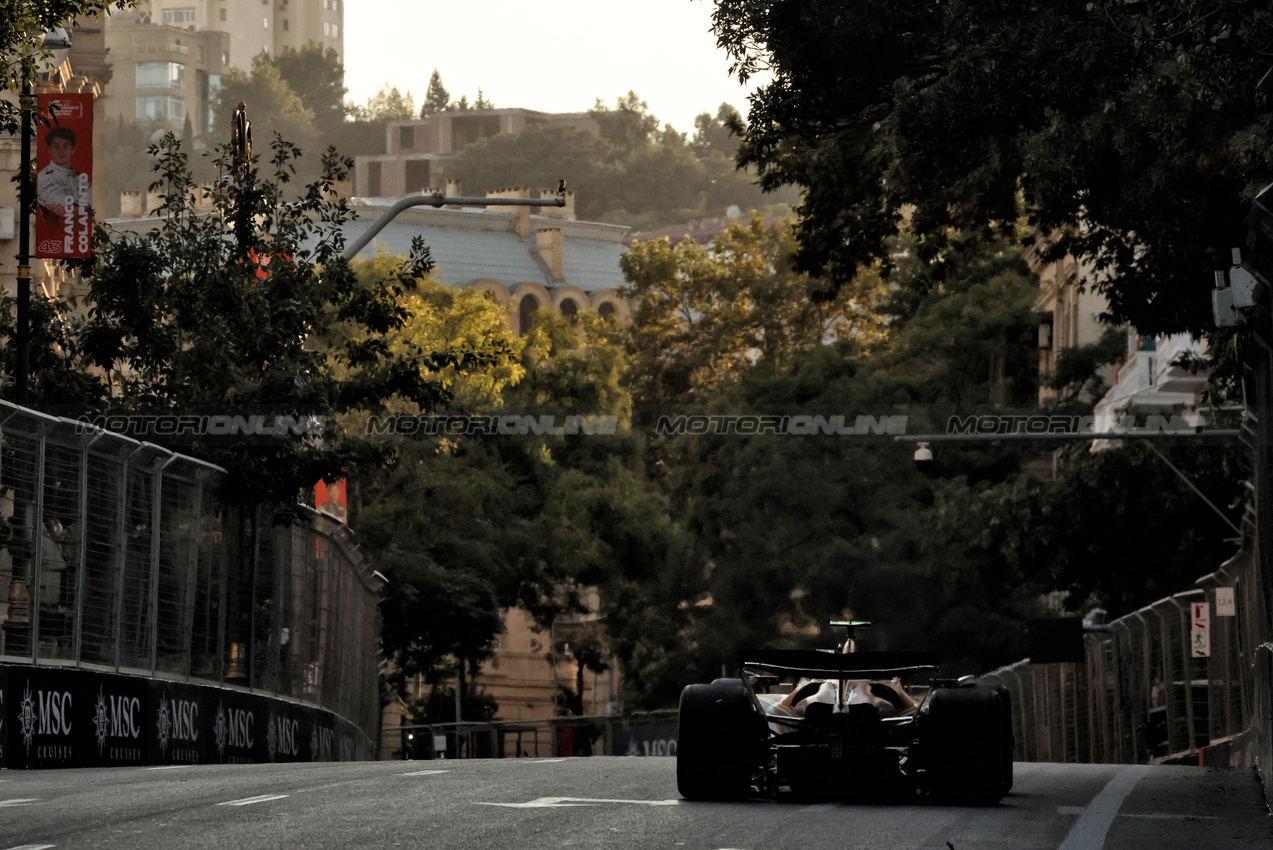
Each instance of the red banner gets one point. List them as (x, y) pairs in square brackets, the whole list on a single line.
[(64, 176)]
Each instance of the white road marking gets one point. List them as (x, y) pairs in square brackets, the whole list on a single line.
[(558, 802), (21, 801), (32, 847), (1159, 816), (1089, 832), (263, 798), (424, 773), (166, 767)]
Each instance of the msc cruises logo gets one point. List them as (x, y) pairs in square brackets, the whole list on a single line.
[(26, 718)]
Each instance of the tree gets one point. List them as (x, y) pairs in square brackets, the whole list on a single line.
[(22, 26), (631, 173), (315, 75), (436, 98), (717, 134), (273, 107), (1133, 131), (704, 313), (387, 104), (270, 323), (434, 617)]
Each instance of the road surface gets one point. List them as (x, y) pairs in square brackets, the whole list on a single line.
[(622, 803)]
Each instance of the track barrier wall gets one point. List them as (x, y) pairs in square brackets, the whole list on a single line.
[(123, 578), (1143, 696)]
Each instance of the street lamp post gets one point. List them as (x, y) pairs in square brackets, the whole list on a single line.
[(55, 40), (23, 331)]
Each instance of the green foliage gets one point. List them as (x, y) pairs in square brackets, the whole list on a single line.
[(434, 616), (704, 313), (315, 75), (1076, 375), (1133, 131), (387, 104), (631, 173), (271, 323), (22, 56), (437, 98), (273, 105), (1095, 532)]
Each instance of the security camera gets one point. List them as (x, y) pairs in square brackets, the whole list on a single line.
[(923, 457)]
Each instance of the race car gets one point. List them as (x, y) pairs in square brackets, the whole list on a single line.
[(841, 724)]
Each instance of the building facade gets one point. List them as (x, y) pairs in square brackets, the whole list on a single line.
[(169, 55), (415, 150), (163, 74)]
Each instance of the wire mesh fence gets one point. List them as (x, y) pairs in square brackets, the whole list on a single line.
[(1145, 692), (117, 555)]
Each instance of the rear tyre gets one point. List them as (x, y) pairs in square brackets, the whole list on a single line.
[(968, 739), (720, 743)]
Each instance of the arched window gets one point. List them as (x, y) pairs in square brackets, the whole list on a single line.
[(606, 310), (569, 309), (525, 314)]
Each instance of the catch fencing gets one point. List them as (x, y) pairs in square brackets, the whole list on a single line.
[(118, 556), (1142, 695)]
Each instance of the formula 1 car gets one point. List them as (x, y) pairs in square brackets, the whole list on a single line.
[(847, 725)]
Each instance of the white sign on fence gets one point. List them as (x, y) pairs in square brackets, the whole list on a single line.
[(1225, 604), (1200, 633)]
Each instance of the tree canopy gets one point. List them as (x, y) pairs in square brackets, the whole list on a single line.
[(1132, 133), (634, 172)]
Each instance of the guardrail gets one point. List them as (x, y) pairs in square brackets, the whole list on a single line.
[(644, 734), (116, 556)]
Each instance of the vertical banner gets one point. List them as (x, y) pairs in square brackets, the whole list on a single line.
[(64, 177), (1200, 632)]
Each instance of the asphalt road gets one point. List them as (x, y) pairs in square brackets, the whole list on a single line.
[(525, 804)]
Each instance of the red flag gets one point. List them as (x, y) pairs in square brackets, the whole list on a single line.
[(64, 176)]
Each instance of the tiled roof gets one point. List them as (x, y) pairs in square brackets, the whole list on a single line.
[(469, 244)]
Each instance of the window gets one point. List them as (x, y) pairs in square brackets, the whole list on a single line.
[(606, 310), (225, 57), (265, 22), (417, 175), (161, 75), (161, 108), (331, 30), (203, 53), (221, 14), (373, 179), (285, 25), (177, 17), (526, 314), (331, 5), (570, 310)]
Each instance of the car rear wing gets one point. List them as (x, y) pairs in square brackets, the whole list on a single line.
[(814, 664)]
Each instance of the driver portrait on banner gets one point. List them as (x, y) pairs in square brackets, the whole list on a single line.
[(59, 187), (64, 176)]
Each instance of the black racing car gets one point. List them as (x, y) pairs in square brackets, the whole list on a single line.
[(842, 724)]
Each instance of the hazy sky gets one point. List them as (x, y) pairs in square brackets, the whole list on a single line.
[(550, 55)]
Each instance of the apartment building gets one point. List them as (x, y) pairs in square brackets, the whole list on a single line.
[(163, 74), (416, 150), (255, 25), (169, 55)]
